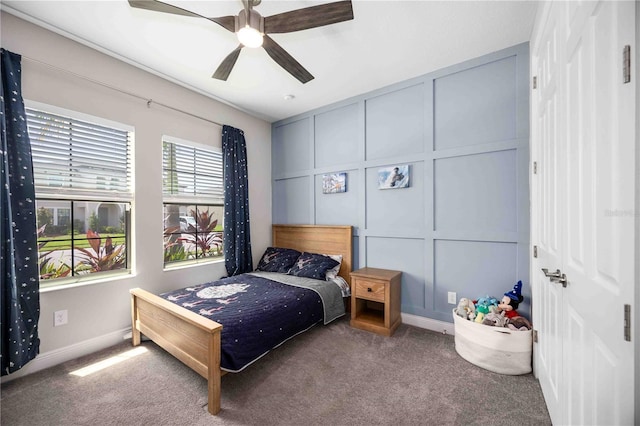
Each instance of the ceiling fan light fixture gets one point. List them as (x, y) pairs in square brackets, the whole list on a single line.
[(250, 37)]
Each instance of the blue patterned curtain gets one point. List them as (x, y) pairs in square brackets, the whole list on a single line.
[(237, 235), (20, 303)]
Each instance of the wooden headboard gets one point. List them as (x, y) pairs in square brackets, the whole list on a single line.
[(323, 239)]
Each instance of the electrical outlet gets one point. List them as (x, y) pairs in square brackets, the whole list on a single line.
[(451, 297), (60, 318)]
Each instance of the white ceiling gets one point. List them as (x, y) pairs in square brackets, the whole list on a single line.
[(387, 42)]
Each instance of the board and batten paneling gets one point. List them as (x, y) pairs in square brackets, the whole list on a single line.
[(462, 225), (292, 153), (476, 192), (476, 105), (400, 210), (336, 136), (338, 209), (293, 205), (395, 123)]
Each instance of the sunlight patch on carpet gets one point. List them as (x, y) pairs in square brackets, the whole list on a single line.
[(106, 363)]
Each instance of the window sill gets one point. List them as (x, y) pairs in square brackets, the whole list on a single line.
[(67, 283), (191, 263)]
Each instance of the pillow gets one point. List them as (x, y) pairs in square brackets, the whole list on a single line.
[(333, 272), (312, 265), (276, 259)]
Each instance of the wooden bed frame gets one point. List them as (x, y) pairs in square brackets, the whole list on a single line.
[(194, 339)]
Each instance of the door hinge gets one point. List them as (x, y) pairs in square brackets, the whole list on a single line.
[(535, 336), (535, 251), (627, 323), (626, 64), (535, 167), (535, 82)]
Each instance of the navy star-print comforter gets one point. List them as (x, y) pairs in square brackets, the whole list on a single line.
[(257, 314)]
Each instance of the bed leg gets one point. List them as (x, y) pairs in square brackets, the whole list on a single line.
[(213, 379), (135, 333)]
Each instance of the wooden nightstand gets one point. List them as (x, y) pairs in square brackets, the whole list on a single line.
[(375, 300)]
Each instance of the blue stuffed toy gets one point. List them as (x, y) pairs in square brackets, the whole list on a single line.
[(483, 307)]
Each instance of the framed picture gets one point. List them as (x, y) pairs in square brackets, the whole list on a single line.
[(334, 183), (393, 177)]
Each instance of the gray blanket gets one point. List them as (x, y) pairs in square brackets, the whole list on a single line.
[(328, 291)]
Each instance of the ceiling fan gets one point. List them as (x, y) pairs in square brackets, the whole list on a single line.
[(252, 29)]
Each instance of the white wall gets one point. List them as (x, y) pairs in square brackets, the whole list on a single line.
[(99, 312)]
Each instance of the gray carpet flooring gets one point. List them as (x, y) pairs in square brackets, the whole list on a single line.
[(330, 375)]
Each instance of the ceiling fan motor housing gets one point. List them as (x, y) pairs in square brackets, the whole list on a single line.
[(254, 20)]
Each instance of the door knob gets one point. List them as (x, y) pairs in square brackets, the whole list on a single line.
[(562, 279), (556, 277), (556, 274)]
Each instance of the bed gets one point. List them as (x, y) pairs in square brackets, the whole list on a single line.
[(195, 339)]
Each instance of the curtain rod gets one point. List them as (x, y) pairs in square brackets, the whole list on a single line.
[(149, 101)]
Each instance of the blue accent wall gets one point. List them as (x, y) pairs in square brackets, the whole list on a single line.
[(462, 225)]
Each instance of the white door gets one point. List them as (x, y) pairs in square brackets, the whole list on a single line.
[(546, 193), (583, 210)]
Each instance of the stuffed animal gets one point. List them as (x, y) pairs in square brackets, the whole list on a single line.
[(465, 308), (495, 319), (487, 301), (511, 301), (482, 309), (483, 304), (519, 323)]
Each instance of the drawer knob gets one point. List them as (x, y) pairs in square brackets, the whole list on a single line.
[(369, 289)]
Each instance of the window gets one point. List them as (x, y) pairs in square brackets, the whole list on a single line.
[(193, 201), (64, 217), (82, 174)]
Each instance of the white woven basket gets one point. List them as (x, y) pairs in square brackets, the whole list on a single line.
[(496, 349)]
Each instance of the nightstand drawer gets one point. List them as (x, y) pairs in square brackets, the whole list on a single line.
[(372, 290)]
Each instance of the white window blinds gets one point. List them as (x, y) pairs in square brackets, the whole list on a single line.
[(76, 158), (191, 172)]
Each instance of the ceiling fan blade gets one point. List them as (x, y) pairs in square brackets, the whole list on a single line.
[(227, 22), (309, 17), (285, 60), (225, 67)]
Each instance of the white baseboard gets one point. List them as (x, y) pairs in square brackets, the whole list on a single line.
[(58, 356), (428, 323)]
